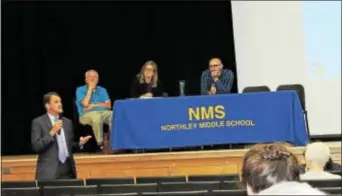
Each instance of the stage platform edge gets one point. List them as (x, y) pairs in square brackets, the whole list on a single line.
[(16, 168)]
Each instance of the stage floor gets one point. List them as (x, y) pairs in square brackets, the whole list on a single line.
[(147, 164)]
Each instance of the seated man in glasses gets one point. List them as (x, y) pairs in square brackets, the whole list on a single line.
[(216, 80)]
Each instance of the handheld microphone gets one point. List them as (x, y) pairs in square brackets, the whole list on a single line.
[(60, 117)]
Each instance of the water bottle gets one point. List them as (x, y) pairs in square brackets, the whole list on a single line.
[(181, 87)]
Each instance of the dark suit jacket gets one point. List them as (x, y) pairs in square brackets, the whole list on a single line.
[(138, 89), (47, 148)]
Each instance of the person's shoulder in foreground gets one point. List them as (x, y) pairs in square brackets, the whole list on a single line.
[(291, 188), (319, 175)]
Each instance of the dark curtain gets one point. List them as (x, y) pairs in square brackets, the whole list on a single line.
[(48, 46)]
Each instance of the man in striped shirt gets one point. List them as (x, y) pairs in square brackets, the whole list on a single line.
[(216, 80)]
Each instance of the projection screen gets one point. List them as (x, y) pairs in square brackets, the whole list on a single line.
[(290, 42)]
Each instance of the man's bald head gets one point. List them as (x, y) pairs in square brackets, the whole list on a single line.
[(215, 64), (215, 61)]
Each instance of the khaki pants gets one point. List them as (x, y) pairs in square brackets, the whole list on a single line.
[(96, 119)]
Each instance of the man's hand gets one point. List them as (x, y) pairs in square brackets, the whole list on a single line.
[(91, 86), (215, 75), (85, 139), (89, 107), (212, 90), (147, 95), (56, 128)]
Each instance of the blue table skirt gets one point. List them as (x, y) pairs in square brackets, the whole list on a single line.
[(208, 120)]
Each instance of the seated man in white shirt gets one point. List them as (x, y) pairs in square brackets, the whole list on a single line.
[(316, 156)]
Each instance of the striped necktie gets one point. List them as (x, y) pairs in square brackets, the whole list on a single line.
[(62, 147)]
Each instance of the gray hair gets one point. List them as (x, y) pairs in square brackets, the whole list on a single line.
[(91, 70)]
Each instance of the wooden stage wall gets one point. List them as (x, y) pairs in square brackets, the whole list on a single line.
[(133, 165)]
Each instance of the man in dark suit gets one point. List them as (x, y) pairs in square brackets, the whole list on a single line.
[(52, 138)]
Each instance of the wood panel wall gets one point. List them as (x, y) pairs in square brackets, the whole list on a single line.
[(16, 168)]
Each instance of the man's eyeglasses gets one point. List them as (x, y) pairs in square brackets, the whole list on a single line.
[(214, 65)]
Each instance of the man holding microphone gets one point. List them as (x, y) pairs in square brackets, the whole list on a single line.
[(52, 138), (216, 80)]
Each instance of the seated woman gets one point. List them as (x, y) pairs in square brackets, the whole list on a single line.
[(271, 169), (146, 84)]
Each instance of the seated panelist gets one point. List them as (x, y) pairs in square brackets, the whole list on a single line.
[(146, 84), (216, 80), (94, 106)]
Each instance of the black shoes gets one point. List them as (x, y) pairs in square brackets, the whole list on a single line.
[(99, 149)]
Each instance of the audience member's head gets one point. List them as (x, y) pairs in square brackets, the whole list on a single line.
[(317, 154), (149, 73), (267, 165)]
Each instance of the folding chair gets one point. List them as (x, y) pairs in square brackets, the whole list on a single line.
[(301, 95), (254, 89)]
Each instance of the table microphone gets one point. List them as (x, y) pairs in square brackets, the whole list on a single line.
[(181, 87)]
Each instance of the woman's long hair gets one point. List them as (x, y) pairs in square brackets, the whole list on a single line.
[(154, 80)]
